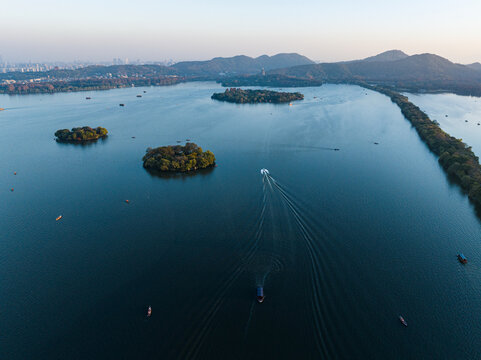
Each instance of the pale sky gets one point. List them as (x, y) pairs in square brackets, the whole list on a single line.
[(325, 30)]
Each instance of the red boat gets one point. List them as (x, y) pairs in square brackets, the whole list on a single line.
[(260, 294), (403, 321), (462, 259), (149, 311)]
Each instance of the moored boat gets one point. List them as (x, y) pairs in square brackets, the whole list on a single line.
[(401, 319), (260, 294), (462, 259)]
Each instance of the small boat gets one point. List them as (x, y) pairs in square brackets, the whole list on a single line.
[(11, 189), (139, 95), (58, 218), (260, 294), (187, 139), (179, 141), (145, 91), (14, 173), (133, 137), (401, 319), (127, 201), (264, 171), (290, 104), (88, 98), (336, 149), (465, 120), (376, 143), (462, 259), (479, 124), (149, 311), (121, 104)]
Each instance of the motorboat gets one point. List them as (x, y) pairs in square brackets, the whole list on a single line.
[(462, 259), (401, 319), (260, 294), (58, 218)]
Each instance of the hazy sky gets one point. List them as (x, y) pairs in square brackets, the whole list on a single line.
[(200, 29)]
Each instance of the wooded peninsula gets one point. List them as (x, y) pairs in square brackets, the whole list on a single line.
[(239, 96), (456, 157), (178, 158), (81, 134)]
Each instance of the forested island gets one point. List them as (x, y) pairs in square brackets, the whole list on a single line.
[(81, 134), (456, 157), (178, 158), (240, 96)]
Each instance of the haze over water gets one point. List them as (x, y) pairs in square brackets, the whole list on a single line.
[(343, 241)]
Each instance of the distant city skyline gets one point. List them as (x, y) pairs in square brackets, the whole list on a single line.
[(93, 31)]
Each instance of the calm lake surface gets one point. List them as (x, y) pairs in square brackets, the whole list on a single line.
[(452, 111), (342, 241)]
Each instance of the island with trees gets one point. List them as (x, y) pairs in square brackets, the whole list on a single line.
[(178, 158), (239, 96), (81, 134)]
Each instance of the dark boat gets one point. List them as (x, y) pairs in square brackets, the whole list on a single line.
[(462, 259), (121, 104), (139, 95), (88, 98), (401, 319), (260, 294)]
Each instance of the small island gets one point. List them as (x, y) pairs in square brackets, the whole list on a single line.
[(240, 96), (81, 134), (178, 158)]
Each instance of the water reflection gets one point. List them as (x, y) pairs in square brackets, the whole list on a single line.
[(87, 143), (179, 175)]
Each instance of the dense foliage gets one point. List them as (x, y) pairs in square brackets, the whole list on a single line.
[(178, 158), (240, 96), (457, 158), (50, 87), (80, 134), (269, 80)]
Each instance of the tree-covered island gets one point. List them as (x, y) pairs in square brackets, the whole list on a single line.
[(178, 158), (240, 96), (81, 134)]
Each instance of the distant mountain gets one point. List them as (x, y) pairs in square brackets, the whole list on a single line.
[(239, 64), (475, 66), (391, 55), (424, 71)]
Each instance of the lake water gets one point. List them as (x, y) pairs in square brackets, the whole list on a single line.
[(452, 111), (342, 241)]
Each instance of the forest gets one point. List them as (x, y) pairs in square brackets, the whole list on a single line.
[(240, 96), (178, 158), (81, 134), (51, 87)]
